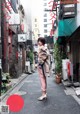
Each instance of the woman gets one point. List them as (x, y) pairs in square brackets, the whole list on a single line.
[(43, 66)]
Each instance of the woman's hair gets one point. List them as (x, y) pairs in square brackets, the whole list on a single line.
[(42, 40)]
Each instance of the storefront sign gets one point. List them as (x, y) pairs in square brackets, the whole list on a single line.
[(69, 1), (69, 10), (53, 15), (22, 38)]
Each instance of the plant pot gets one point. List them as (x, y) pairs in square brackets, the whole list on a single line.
[(58, 79)]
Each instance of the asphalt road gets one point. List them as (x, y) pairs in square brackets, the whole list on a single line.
[(57, 103)]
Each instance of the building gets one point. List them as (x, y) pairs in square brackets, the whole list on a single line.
[(67, 34), (36, 29), (28, 20), (4, 35), (13, 28), (47, 22), (0, 21), (35, 36), (15, 35), (24, 35), (0, 31)]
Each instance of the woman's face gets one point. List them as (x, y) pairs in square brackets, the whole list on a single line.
[(40, 43)]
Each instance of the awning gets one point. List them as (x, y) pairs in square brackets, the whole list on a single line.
[(75, 36), (66, 27)]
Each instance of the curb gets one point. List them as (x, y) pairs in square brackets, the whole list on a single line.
[(14, 86)]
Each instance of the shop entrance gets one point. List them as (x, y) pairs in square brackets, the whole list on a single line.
[(76, 60)]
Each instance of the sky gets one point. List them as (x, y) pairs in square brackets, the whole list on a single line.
[(35, 4), (36, 10), (37, 7)]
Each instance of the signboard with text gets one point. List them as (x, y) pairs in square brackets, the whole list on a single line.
[(22, 38)]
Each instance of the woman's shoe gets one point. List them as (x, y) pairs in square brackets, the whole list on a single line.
[(43, 97)]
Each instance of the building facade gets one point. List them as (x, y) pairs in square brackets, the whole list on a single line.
[(0, 51), (14, 37), (47, 23), (68, 32), (36, 29), (0, 30)]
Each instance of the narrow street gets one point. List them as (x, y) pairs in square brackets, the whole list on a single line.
[(43, 33), (57, 103)]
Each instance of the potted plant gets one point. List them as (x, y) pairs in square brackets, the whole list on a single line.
[(58, 62)]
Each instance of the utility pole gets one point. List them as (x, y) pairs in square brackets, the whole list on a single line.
[(1, 41), (0, 47)]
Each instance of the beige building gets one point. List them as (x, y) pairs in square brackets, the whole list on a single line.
[(36, 29)]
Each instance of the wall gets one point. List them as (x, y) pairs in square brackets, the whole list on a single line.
[(49, 22), (0, 28), (0, 20), (28, 15), (78, 14), (36, 29)]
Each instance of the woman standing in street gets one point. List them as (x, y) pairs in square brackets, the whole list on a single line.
[(43, 66)]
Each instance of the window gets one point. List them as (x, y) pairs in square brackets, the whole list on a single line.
[(45, 20), (45, 35), (45, 9), (45, 25), (35, 20), (36, 30), (45, 4), (45, 30), (45, 15), (35, 25)]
